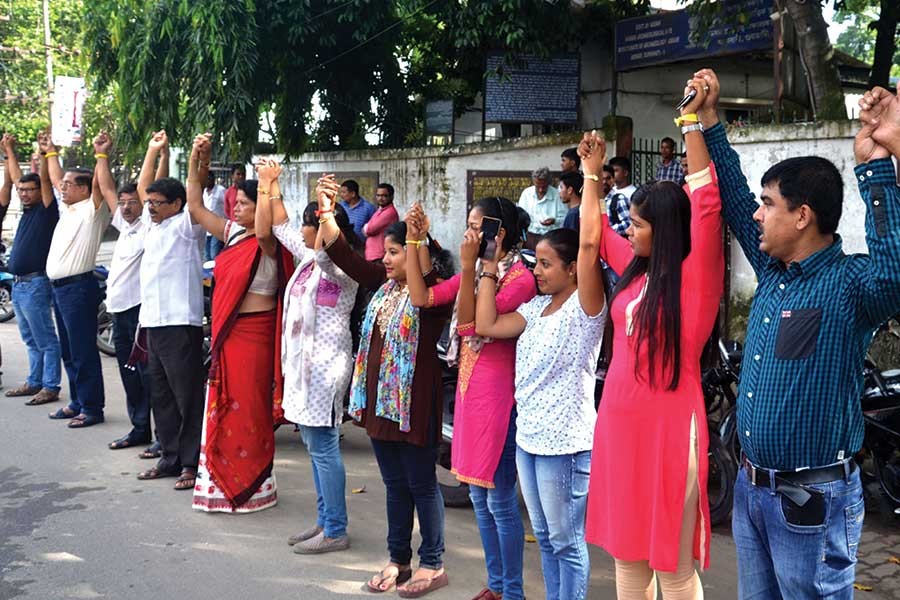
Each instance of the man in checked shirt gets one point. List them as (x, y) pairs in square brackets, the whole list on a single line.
[(798, 501)]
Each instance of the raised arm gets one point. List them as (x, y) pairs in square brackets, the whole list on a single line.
[(198, 169), (51, 153), (6, 188), (592, 150), (162, 169), (415, 239), (877, 140), (157, 141), (104, 185), (268, 172), (488, 323), (47, 196), (738, 202), (12, 161)]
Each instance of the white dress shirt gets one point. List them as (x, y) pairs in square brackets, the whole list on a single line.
[(214, 200), (541, 209), (76, 239), (171, 273), (123, 286)]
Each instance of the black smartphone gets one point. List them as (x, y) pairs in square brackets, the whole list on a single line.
[(687, 99), (490, 228)]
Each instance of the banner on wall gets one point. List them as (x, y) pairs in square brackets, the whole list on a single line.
[(69, 94)]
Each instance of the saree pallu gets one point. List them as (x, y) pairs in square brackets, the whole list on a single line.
[(244, 394), (238, 443)]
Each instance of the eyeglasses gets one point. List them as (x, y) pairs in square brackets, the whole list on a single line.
[(158, 203), (67, 184), (121, 203), (22, 190)]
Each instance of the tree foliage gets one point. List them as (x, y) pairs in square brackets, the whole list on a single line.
[(871, 36)]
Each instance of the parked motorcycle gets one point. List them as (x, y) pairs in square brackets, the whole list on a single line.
[(7, 312), (105, 338)]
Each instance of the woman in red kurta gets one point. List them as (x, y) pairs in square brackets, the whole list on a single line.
[(647, 503)]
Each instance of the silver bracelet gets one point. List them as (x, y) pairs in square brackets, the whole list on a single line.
[(689, 128)]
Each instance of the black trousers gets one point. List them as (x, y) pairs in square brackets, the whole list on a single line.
[(135, 381), (177, 378)]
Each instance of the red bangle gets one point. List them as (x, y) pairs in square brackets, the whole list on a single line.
[(319, 213)]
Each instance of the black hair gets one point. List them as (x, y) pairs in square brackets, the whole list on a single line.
[(171, 188), (351, 185), (564, 242), (386, 186), (310, 219), (127, 188), (31, 178), (397, 232), (666, 206), (813, 181), (508, 213), (608, 169), (620, 161), (572, 154), (670, 141), (249, 187), (524, 223), (238, 167), (574, 180), (82, 177)]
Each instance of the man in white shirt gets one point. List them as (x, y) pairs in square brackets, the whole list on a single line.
[(172, 315), (542, 203), (123, 291), (83, 217), (214, 201)]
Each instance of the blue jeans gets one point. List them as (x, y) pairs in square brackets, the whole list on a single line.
[(33, 303), (778, 559), (75, 305), (555, 490), (410, 480), (329, 477), (213, 246), (135, 381), (500, 523)]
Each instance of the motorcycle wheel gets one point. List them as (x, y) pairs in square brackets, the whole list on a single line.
[(105, 331), (886, 459), (7, 311), (456, 496), (722, 475)]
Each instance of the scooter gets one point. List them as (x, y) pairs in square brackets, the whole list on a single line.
[(7, 312)]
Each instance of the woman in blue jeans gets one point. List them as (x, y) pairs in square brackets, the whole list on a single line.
[(484, 421), (316, 354), (559, 333)]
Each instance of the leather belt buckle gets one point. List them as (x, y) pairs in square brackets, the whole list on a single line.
[(752, 473)]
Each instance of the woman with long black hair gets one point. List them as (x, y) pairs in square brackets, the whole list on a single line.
[(647, 502)]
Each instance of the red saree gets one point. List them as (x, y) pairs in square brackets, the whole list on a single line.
[(245, 381)]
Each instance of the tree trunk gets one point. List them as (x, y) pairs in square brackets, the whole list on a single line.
[(885, 43), (818, 57)]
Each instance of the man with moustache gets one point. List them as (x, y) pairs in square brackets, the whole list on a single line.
[(123, 290), (172, 315), (70, 267), (32, 298)]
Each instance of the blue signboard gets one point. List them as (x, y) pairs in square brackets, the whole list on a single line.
[(666, 37), (538, 90)]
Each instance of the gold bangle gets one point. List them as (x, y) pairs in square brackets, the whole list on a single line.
[(101, 155), (278, 197), (591, 177), (263, 192), (327, 217), (49, 154), (416, 243)]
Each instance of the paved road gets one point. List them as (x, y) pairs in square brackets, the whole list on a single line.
[(75, 523)]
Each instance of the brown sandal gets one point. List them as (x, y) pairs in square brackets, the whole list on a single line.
[(154, 473), (186, 481), (423, 586), (402, 576)]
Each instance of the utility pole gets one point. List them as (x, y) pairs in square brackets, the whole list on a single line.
[(47, 53)]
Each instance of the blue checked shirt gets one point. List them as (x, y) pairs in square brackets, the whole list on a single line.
[(670, 172), (810, 324)]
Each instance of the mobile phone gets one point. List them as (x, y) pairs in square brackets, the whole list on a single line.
[(490, 228), (686, 100)]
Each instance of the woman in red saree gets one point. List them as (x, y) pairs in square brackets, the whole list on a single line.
[(244, 393)]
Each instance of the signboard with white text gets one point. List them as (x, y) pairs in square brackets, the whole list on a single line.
[(68, 104)]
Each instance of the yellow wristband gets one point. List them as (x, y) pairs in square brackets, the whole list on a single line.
[(688, 118), (416, 243), (101, 155), (591, 177), (49, 154)]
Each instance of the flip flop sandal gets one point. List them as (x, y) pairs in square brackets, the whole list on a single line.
[(82, 421), (431, 584), (63, 413), (186, 481), (124, 442), (154, 473), (401, 577), (42, 398)]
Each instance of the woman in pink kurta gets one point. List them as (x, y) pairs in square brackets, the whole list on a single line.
[(647, 503), (484, 430)]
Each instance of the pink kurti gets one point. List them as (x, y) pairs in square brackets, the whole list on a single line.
[(486, 385), (642, 437)]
